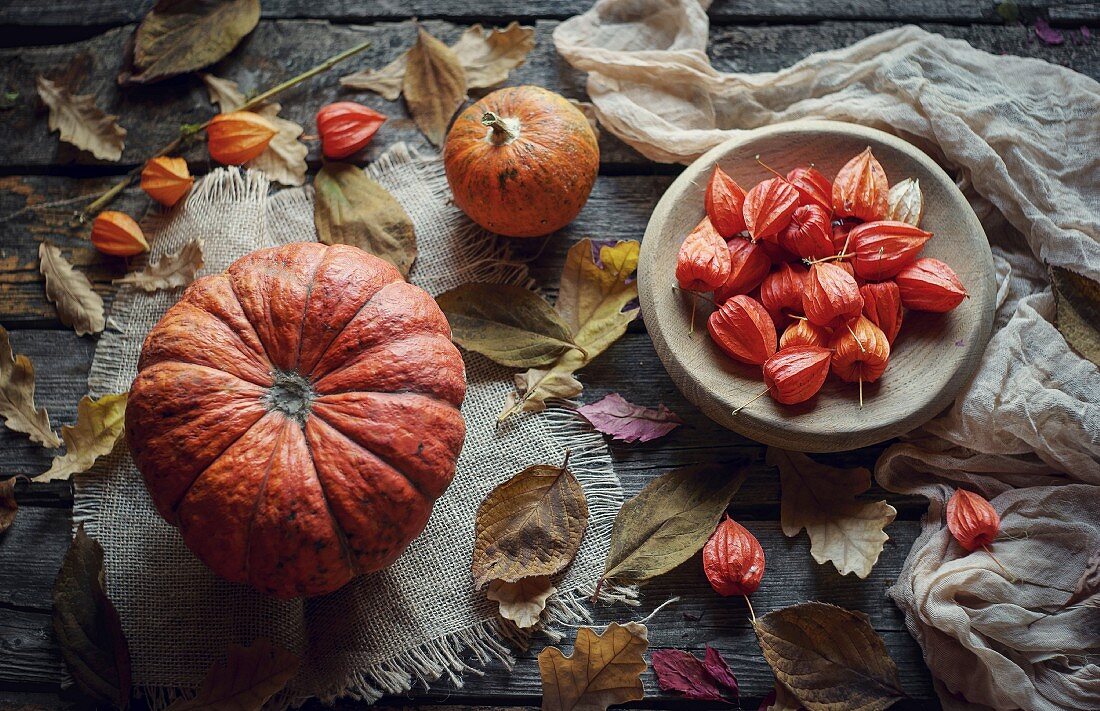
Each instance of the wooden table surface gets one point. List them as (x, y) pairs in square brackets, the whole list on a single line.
[(81, 41)]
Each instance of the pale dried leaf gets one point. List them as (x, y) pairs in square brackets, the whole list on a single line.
[(1077, 299), (386, 81), (530, 525), (99, 424), (1089, 583), (603, 670), (624, 421), (246, 681), (535, 387), (589, 110), (488, 56), (822, 499), (17, 397), (829, 658), (905, 202), (9, 507), (171, 271), (434, 85), (71, 292), (81, 123), (523, 601)]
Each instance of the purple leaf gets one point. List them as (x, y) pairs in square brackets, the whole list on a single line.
[(683, 672), (1046, 33), (720, 671), (627, 422), (1085, 34)]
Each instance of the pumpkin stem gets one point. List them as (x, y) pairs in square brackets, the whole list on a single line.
[(505, 130)]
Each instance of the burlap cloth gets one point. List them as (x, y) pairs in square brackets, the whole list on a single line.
[(415, 622), (1023, 137)]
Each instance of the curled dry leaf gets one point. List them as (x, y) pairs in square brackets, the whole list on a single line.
[(180, 36), (669, 521), (81, 123), (624, 421), (170, 271), (1077, 299), (508, 324), (434, 85), (530, 525), (249, 677), (699, 680), (604, 669), (352, 208), (523, 601), (99, 424), (9, 507), (822, 499), (905, 202), (87, 627), (1089, 584), (830, 658), (17, 397), (71, 292), (386, 81)]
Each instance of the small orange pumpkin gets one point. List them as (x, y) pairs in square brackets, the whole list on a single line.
[(522, 161)]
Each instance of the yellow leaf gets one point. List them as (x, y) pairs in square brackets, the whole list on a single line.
[(603, 670), (434, 86), (822, 499), (17, 397), (99, 424), (71, 292), (523, 601), (80, 122), (247, 680)]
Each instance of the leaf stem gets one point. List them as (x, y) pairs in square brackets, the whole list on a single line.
[(749, 603), (1011, 578), (754, 399)]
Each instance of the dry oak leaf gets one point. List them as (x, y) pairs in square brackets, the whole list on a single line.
[(284, 159), (80, 122), (246, 681), (508, 324), (830, 658), (669, 521), (170, 271), (351, 208), (530, 525), (434, 85), (1077, 299), (591, 301), (87, 627), (71, 292), (603, 670), (9, 507), (523, 601), (822, 499), (624, 421), (99, 424), (17, 397)]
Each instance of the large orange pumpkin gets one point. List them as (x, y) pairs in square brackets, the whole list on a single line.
[(297, 416), (522, 161)]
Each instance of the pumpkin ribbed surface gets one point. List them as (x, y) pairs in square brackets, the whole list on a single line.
[(297, 416)]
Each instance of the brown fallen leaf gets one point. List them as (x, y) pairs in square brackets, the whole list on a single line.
[(99, 424), (1077, 299), (17, 397), (71, 292), (530, 525), (603, 670), (829, 658), (87, 627), (386, 81), (81, 123), (171, 271), (489, 55), (352, 208), (246, 681), (523, 601), (822, 499), (434, 85), (536, 386), (9, 507)]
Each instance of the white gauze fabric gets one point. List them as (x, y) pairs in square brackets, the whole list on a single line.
[(1023, 138)]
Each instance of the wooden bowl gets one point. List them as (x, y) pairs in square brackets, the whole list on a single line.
[(932, 357)]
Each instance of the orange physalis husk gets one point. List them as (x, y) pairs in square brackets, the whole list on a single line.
[(804, 333), (813, 187), (809, 234), (841, 230), (781, 291), (768, 207), (831, 298), (733, 559), (166, 180), (725, 201), (776, 253), (117, 234), (703, 263), (860, 351), (860, 188), (972, 520), (743, 330), (346, 127), (929, 285), (905, 202), (795, 374), (238, 137), (882, 306), (880, 249), (748, 267)]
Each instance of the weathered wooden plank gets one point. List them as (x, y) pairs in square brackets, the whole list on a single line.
[(278, 49), (28, 653), (30, 556)]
